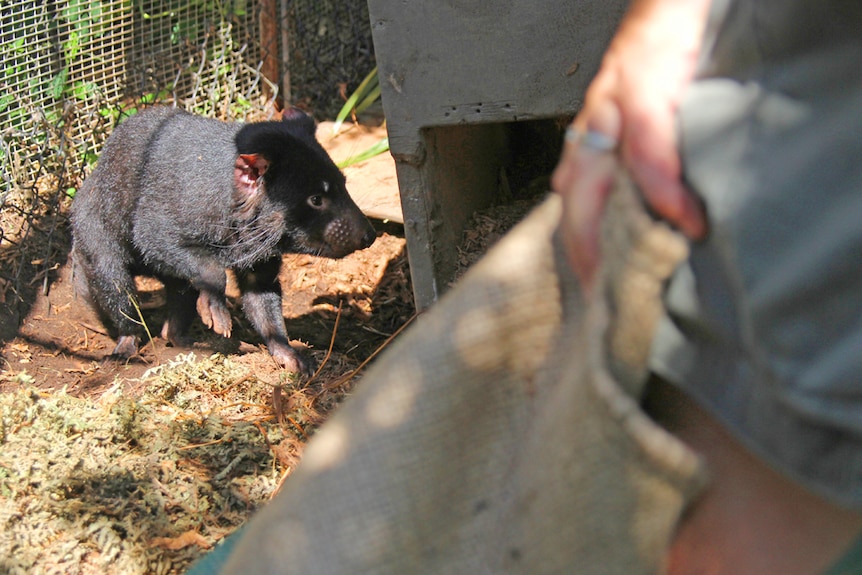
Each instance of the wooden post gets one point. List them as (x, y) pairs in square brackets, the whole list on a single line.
[(269, 44), (285, 55)]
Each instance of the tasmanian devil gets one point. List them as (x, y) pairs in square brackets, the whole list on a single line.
[(184, 198)]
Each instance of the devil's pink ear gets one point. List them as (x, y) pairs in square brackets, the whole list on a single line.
[(298, 122), (247, 171), (292, 113)]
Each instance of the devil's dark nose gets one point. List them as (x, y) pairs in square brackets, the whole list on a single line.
[(369, 237)]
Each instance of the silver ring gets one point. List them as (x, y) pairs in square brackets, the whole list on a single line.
[(591, 139)]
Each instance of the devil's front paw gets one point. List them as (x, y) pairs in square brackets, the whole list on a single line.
[(127, 347), (175, 331), (290, 359), (213, 311)]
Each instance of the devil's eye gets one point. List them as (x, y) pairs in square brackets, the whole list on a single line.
[(315, 201)]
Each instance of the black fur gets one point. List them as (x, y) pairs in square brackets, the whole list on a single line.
[(184, 198)]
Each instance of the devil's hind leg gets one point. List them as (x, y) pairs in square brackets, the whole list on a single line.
[(110, 288), (181, 298)]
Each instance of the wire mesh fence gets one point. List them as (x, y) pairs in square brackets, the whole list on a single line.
[(71, 69), (328, 40)]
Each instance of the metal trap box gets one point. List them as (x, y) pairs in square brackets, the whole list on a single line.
[(454, 74)]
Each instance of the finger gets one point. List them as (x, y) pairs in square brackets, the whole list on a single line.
[(599, 115), (651, 154), (670, 199), (584, 200), (564, 174)]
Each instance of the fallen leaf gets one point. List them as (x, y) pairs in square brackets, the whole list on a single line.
[(181, 542)]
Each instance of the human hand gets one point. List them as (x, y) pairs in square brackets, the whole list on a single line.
[(633, 101)]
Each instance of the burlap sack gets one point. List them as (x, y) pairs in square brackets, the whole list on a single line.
[(501, 434)]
